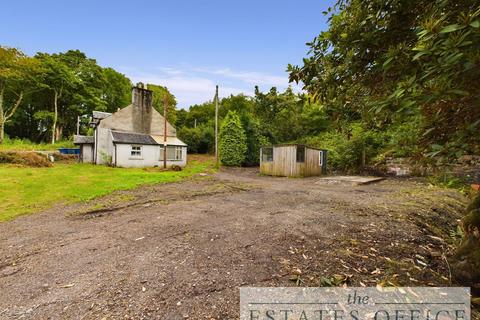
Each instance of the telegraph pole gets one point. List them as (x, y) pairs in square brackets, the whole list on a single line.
[(165, 105), (216, 126)]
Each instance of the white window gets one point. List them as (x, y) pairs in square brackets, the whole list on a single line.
[(178, 153), (320, 158), (174, 153), (136, 151)]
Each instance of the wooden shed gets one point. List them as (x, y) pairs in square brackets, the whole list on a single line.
[(292, 160)]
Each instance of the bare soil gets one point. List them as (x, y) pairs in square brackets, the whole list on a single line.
[(182, 250)]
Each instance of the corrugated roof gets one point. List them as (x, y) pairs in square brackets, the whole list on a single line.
[(83, 139), (133, 138), (172, 141), (100, 115)]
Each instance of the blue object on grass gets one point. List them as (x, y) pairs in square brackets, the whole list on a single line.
[(69, 150)]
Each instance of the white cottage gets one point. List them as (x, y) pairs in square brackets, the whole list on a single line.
[(132, 137)]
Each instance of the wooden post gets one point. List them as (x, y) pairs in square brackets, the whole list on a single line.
[(364, 156), (216, 126), (165, 106)]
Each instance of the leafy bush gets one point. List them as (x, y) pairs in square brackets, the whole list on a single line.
[(199, 140), (345, 149), (402, 139), (233, 142), (255, 140)]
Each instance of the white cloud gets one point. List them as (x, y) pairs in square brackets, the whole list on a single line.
[(195, 85), (252, 78)]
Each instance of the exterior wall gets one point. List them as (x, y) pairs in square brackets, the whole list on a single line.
[(86, 153), (285, 163), (104, 146), (126, 120), (150, 157), (311, 166)]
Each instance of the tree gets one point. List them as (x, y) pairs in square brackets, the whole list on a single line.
[(117, 90), (17, 75), (387, 63), (232, 140), (159, 94), (58, 78)]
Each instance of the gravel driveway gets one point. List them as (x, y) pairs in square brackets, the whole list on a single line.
[(182, 250)]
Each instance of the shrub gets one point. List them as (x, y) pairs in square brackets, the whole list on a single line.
[(232, 142), (345, 149), (255, 140)]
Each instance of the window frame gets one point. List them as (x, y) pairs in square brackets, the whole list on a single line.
[(178, 150), (267, 157), (320, 158), (135, 151), (303, 156)]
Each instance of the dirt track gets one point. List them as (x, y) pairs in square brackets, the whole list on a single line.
[(182, 250)]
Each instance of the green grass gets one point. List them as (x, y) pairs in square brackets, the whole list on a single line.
[(27, 145), (27, 190)]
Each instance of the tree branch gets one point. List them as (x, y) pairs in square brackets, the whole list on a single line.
[(15, 107)]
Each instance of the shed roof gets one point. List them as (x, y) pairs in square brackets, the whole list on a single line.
[(133, 138), (77, 139), (293, 145)]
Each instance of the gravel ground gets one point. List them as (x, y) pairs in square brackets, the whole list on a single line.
[(182, 250)]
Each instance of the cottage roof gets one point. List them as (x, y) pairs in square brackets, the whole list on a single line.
[(133, 138), (77, 139)]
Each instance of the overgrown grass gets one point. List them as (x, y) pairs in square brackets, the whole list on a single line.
[(27, 145), (25, 190)]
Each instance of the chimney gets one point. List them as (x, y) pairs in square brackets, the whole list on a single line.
[(142, 99)]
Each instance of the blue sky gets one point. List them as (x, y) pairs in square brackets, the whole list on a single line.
[(188, 46)]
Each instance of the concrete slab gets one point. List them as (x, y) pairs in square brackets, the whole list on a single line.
[(355, 180)]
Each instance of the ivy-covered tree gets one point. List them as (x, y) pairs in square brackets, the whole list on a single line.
[(232, 140)]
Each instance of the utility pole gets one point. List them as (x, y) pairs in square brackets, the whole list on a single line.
[(195, 123), (165, 105), (216, 126), (78, 125)]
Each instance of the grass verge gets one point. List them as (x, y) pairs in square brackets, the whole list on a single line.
[(25, 190)]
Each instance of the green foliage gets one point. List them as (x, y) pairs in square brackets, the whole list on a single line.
[(232, 140), (17, 144), (346, 149), (159, 95), (254, 139), (18, 74), (199, 140), (117, 90), (446, 179), (384, 62)]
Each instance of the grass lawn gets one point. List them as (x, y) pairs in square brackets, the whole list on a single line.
[(25, 190)]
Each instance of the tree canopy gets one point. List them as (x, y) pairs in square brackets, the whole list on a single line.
[(385, 63)]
